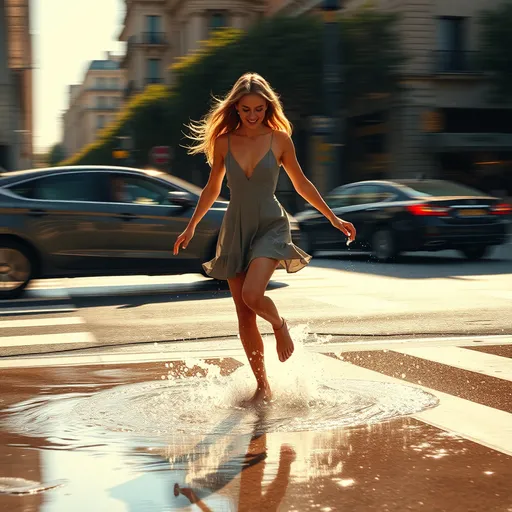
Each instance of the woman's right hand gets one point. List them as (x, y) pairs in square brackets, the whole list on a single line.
[(183, 239)]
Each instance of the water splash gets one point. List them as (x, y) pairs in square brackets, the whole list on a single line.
[(193, 397)]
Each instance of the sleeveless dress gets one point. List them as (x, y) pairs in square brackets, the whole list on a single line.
[(255, 224)]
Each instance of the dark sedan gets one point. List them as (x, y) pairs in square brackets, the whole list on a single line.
[(409, 215), (82, 221)]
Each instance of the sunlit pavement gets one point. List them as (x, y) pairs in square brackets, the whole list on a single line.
[(425, 425), (346, 297), (399, 395)]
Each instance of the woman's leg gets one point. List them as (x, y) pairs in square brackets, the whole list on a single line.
[(253, 294), (251, 338)]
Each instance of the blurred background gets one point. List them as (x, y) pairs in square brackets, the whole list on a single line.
[(375, 89)]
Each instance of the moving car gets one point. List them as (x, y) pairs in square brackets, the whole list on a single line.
[(408, 215), (99, 220)]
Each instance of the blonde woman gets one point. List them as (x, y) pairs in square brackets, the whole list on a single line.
[(247, 136)]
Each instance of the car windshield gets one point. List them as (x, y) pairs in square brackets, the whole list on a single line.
[(439, 188)]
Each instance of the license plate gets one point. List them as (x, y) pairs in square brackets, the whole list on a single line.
[(472, 212)]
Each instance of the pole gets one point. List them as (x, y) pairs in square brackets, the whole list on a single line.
[(331, 82)]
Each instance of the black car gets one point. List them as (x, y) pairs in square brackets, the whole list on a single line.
[(408, 215)]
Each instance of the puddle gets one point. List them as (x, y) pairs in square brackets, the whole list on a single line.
[(166, 436)]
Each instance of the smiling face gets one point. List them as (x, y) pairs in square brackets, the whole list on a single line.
[(252, 109)]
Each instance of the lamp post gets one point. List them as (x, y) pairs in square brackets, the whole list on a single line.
[(332, 90)]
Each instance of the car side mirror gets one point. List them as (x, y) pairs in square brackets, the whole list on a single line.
[(181, 199)]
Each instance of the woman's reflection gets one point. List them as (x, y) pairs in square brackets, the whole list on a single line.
[(251, 469)]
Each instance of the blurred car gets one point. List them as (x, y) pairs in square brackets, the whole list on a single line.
[(100, 220), (408, 215)]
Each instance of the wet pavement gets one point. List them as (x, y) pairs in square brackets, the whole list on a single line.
[(387, 429)]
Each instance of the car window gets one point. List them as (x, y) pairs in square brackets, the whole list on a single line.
[(439, 188), (62, 187), (125, 188), (368, 194), (341, 197)]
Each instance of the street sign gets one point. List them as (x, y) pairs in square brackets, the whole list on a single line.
[(160, 155)]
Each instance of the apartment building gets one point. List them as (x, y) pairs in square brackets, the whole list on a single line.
[(443, 122), (94, 103), (158, 32), (16, 117)]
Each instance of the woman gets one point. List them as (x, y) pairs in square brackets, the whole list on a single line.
[(247, 135)]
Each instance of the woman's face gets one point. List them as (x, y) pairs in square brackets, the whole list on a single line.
[(252, 109)]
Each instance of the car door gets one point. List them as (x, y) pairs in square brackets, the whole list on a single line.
[(370, 209), (61, 213), (342, 201), (146, 222)]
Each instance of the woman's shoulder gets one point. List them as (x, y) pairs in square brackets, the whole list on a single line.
[(281, 136)]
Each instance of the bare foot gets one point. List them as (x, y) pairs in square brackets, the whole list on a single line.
[(288, 453), (261, 395), (187, 492), (284, 341)]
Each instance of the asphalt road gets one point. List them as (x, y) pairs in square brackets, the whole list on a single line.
[(346, 297)]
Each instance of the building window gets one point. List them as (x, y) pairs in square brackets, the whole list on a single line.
[(217, 20), (452, 54), (114, 83), (100, 122), (101, 101), (100, 83), (153, 24), (154, 71), (153, 33)]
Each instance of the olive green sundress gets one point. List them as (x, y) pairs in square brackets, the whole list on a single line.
[(255, 224)]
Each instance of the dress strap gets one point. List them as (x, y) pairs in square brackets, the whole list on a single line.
[(271, 138)]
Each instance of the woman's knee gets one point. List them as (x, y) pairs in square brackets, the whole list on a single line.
[(251, 297)]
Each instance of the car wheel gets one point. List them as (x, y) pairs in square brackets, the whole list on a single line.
[(306, 243), (383, 245), (475, 252), (16, 269)]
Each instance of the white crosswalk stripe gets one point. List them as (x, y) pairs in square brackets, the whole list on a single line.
[(44, 316)]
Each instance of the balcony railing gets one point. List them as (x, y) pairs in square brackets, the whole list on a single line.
[(456, 62), (103, 107), (154, 38), (105, 88), (154, 80)]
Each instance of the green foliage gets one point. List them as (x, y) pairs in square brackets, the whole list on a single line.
[(496, 41), (286, 51), (55, 155)]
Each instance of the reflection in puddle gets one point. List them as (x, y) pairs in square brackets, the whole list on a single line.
[(181, 439), (208, 403), (20, 486)]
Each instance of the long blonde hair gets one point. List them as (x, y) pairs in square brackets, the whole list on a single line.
[(223, 117)]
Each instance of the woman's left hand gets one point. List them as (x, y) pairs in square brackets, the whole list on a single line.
[(345, 227)]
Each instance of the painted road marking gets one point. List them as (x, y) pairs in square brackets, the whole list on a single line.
[(485, 364), (73, 338), (41, 322)]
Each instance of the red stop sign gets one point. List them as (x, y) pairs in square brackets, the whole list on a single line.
[(160, 154)]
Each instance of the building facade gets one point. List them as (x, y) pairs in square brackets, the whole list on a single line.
[(443, 122), (158, 32), (94, 103), (16, 116)]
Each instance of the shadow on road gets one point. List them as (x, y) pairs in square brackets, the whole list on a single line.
[(112, 296), (417, 265)]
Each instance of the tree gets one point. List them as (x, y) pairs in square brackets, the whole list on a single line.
[(286, 51), (496, 41), (55, 155)]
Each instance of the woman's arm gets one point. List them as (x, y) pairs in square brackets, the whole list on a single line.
[(209, 195), (307, 190)]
